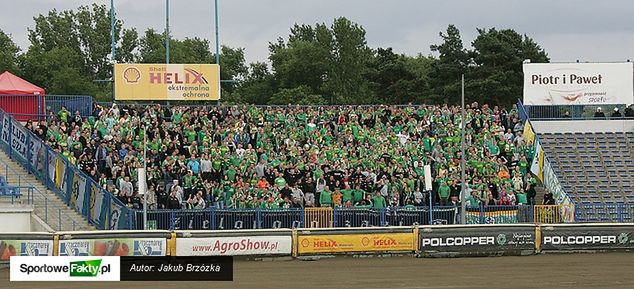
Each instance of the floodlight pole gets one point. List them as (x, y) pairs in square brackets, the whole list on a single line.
[(167, 31), (463, 206), (145, 172), (217, 32), (112, 42)]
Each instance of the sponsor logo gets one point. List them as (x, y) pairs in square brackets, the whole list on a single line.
[(459, 241), (305, 243), (132, 75), (35, 249), (325, 244), (148, 247), (623, 238), (580, 240), (384, 242), (501, 239), (74, 248), (365, 241)]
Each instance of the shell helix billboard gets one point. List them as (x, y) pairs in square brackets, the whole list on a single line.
[(167, 82)]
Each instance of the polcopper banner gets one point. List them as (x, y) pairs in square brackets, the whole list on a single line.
[(167, 82)]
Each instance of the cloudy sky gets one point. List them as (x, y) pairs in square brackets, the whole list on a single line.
[(567, 29)]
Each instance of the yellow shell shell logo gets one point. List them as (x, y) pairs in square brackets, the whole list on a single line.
[(132, 75)]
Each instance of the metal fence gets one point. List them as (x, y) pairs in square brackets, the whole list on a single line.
[(573, 112), (225, 219), (37, 107), (606, 212), (73, 103)]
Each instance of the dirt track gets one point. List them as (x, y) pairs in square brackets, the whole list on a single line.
[(610, 270)]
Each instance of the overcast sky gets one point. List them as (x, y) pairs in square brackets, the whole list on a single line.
[(567, 29)]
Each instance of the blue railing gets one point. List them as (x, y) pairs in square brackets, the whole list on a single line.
[(74, 187), (225, 219)]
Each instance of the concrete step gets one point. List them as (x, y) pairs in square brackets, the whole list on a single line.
[(47, 205)]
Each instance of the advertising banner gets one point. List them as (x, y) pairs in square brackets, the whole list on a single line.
[(10, 248), (578, 83), (495, 217), (15, 135), (587, 237), (113, 247), (478, 240), (385, 242), (234, 246), (167, 82), (78, 191), (96, 204)]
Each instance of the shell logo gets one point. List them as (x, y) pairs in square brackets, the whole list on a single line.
[(132, 75)]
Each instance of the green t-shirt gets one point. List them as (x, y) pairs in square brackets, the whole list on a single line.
[(325, 198), (378, 202), (347, 195), (444, 191)]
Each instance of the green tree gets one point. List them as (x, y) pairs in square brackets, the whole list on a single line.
[(399, 79), (497, 75), (71, 49), (9, 54), (452, 63)]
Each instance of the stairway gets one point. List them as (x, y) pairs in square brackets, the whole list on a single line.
[(47, 205)]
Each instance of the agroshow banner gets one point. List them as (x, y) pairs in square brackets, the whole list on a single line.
[(167, 82)]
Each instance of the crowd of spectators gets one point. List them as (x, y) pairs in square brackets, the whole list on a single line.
[(291, 156)]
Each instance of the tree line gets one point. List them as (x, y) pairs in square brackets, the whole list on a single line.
[(69, 53)]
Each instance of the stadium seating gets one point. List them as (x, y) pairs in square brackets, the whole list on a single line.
[(597, 170)]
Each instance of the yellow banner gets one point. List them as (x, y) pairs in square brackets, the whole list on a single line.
[(167, 82), (529, 133), (355, 243), (59, 172)]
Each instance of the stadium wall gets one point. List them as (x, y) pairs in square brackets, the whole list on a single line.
[(421, 241)]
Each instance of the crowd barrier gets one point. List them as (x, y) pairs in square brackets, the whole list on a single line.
[(230, 219), (421, 241)]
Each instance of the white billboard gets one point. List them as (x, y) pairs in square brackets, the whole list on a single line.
[(578, 83)]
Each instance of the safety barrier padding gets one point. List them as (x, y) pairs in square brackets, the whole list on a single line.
[(476, 240), (113, 243), (587, 237), (374, 240), (26, 244)]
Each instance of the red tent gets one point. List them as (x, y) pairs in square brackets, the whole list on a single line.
[(21, 98)]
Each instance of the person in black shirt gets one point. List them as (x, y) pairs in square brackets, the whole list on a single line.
[(548, 198), (629, 111), (172, 201), (616, 113), (599, 113)]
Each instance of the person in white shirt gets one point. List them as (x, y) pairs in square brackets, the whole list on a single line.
[(199, 202), (418, 197), (125, 187)]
